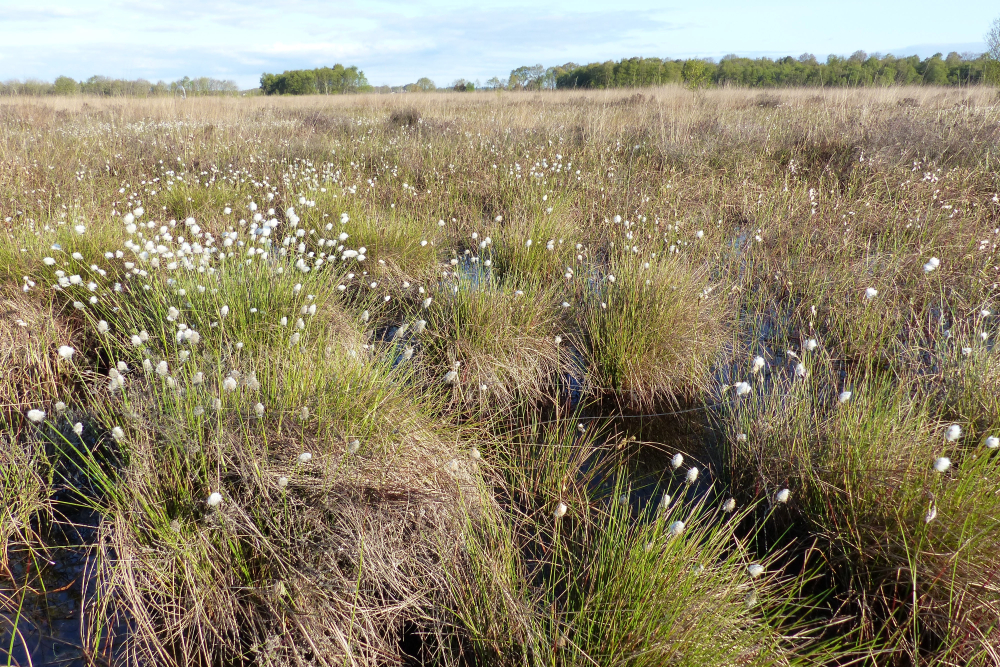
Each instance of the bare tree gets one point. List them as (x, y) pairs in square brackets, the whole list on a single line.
[(993, 51), (993, 40)]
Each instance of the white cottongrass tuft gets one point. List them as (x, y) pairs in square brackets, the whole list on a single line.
[(783, 496), (560, 510), (844, 396), (758, 364), (871, 293), (742, 388), (282, 481), (992, 442), (304, 413), (117, 433), (60, 406), (66, 352), (931, 264), (811, 345), (102, 327), (162, 369), (729, 505), (692, 475), (78, 428), (305, 457), (676, 528), (224, 312), (755, 570), (800, 370), (677, 461), (942, 463), (259, 409), (80, 229), (230, 384), (953, 433), (353, 446), (931, 513), (427, 302), (214, 499), (451, 377)]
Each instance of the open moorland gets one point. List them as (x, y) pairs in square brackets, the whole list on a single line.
[(651, 378)]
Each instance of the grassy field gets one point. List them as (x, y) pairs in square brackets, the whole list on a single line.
[(655, 378)]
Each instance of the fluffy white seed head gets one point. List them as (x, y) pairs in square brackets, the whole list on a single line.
[(677, 461), (953, 433), (755, 570), (36, 416), (871, 293), (783, 496), (214, 499), (66, 352), (692, 475), (676, 528), (844, 396), (729, 505), (992, 442), (931, 513), (305, 457), (942, 463), (560, 510)]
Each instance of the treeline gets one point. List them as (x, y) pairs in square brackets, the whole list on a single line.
[(320, 81), (107, 87), (860, 69)]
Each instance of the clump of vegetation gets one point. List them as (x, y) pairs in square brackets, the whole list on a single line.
[(654, 329)]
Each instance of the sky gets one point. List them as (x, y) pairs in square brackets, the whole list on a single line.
[(399, 42)]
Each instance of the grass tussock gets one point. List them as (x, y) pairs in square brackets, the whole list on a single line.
[(654, 329)]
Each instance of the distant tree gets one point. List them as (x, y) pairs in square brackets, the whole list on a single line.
[(323, 80), (527, 77), (936, 71), (65, 86), (425, 85), (696, 73), (495, 83), (993, 53)]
